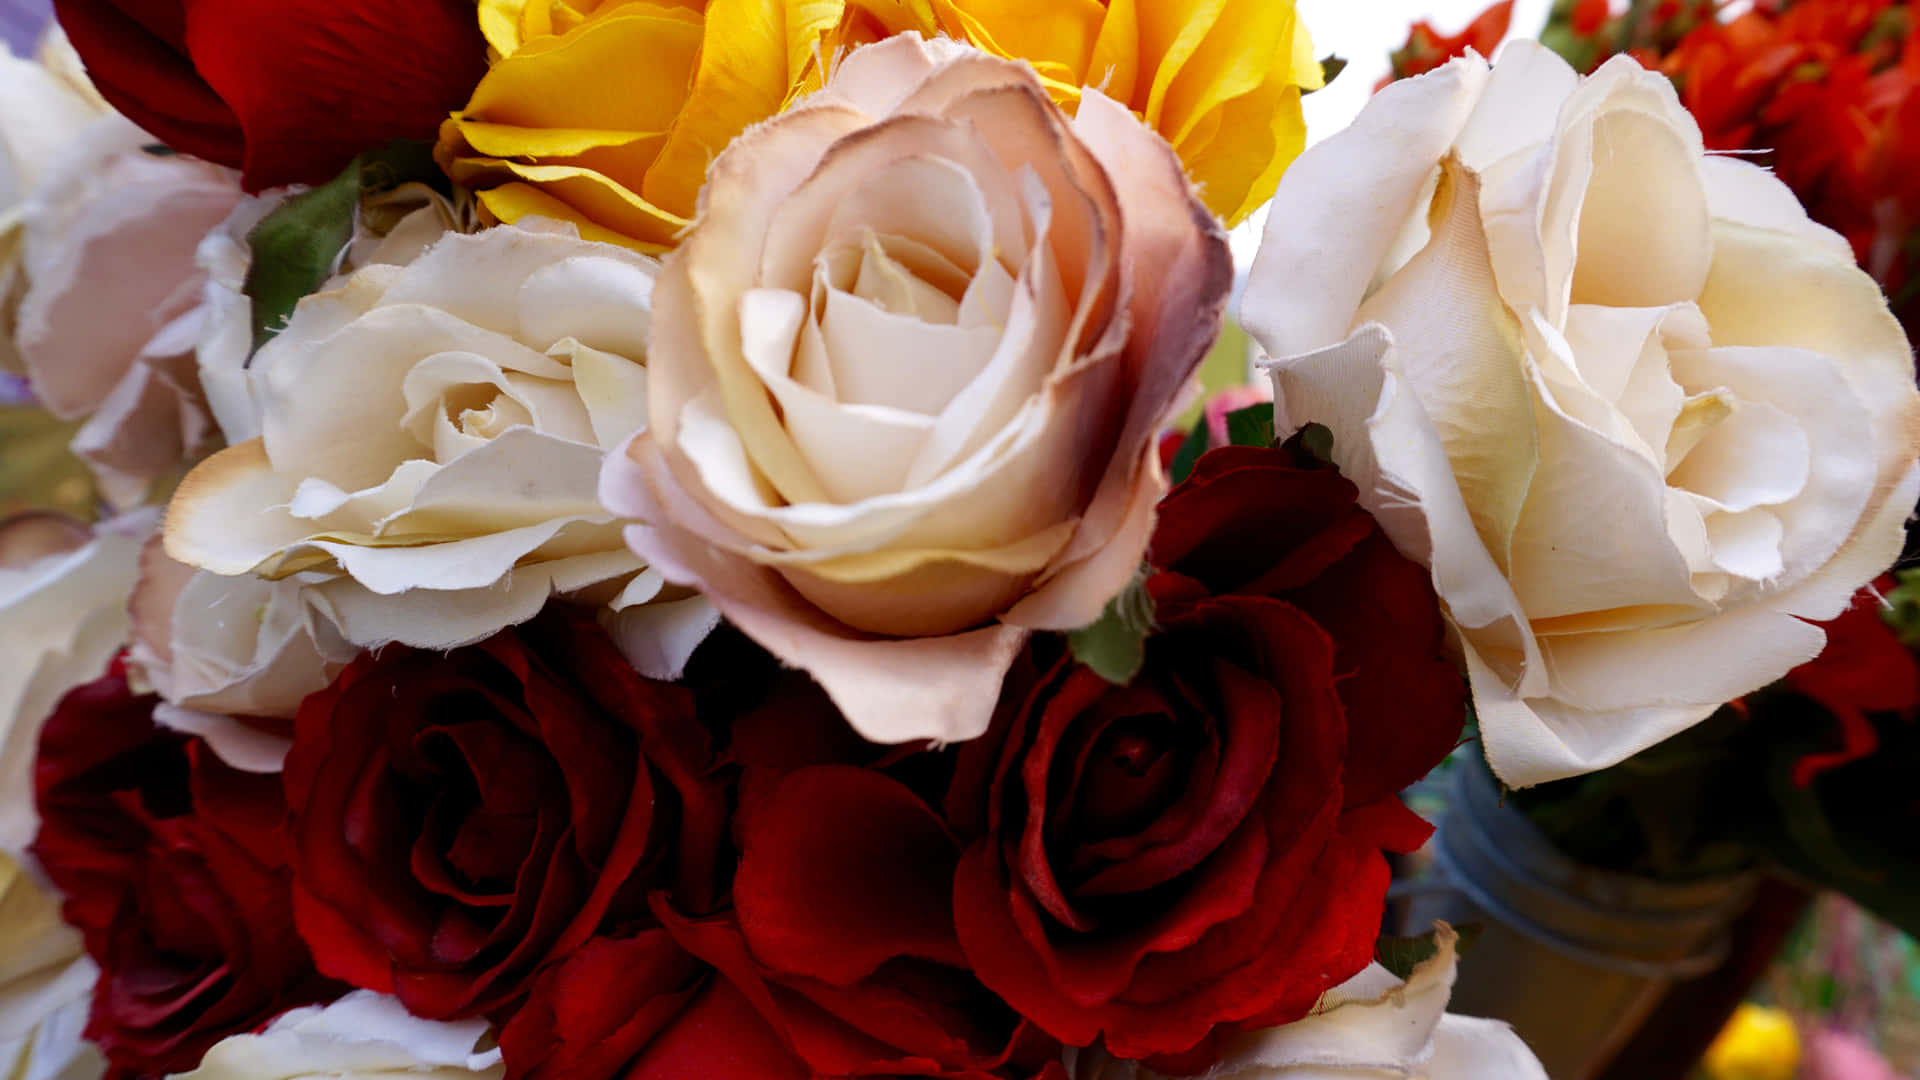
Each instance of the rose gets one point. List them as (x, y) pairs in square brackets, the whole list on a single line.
[(1199, 852), (431, 439), (63, 596), (838, 958), (607, 114), (359, 1037), (232, 658), (287, 94), (547, 133), (1639, 415), (909, 368), (1222, 82), (111, 228), (45, 981), (173, 868), (49, 101), (640, 1008), (460, 820), (391, 227), (1373, 1025)]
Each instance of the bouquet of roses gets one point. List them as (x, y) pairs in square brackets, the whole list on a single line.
[(634, 538)]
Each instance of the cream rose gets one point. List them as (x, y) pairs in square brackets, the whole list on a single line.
[(225, 653), (359, 1037), (910, 362), (393, 228), (1374, 1025), (110, 314), (63, 614), (46, 981), (1641, 417), (431, 437)]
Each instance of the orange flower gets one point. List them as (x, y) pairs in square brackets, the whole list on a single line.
[(1426, 49)]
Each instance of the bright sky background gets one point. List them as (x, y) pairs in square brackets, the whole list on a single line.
[(1366, 32)]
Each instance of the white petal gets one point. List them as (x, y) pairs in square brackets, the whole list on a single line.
[(1341, 205), (62, 617), (362, 1035)]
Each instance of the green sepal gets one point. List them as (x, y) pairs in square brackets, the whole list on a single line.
[(1114, 646), (298, 246), (1401, 955)]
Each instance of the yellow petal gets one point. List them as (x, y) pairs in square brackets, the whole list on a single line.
[(627, 72), (603, 210), (1057, 38), (742, 79), (1115, 65)]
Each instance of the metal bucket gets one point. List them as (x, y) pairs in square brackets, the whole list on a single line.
[(1573, 957)]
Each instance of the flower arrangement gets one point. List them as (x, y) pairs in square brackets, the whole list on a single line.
[(648, 540)]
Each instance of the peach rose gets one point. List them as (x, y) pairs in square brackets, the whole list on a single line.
[(906, 374)]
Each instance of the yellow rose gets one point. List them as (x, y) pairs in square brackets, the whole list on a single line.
[(606, 113), (1218, 79)]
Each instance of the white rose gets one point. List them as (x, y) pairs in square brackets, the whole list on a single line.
[(431, 438), (359, 1037), (46, 982), (393, 227), (1371, 1027), (1640, 416), (219, 648), (63, 614), (44, 104), (110, 314)]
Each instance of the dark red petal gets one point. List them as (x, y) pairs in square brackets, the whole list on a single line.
[(587, 1017), (1252, 716), (140, 67), (845, 870), (315, 82), (719, 1036), (1242, 512), (339, 949), (1404, 699)]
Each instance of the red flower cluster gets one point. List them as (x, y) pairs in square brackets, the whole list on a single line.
[(1865, 668), (1826, 88), (1427, 48), (645, 881), (174, 869)]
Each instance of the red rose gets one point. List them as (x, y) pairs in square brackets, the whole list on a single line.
[(462, 819), (630, 1008), (173, 871), (839, 958), (286, 92), (1204, 846)]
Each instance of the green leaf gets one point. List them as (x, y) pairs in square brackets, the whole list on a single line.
[(1902, 612), (1401, 955), (1189, 453), (1251, 426), (298, 246), (1115, 644)]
